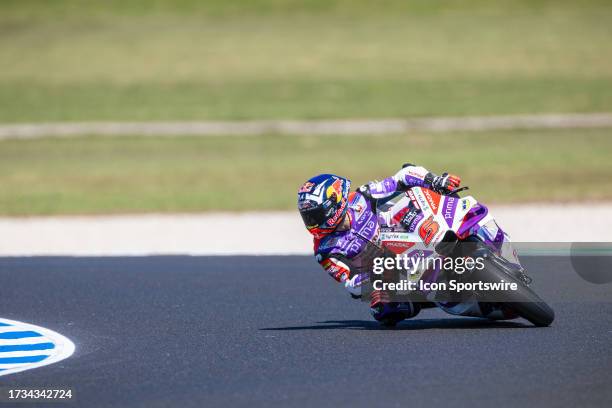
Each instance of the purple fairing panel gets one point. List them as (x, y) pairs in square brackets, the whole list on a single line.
[(490, 233), (471, 220), (449, 209)]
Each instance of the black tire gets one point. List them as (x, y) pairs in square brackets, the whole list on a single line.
[(523, 301)]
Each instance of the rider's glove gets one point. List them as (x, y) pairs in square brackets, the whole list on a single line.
[(353, 285), (446, 183), (365, 191)]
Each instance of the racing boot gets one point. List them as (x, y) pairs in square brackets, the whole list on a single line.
[(391, 313)]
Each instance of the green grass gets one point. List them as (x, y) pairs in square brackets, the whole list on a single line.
[(147, 60), (134, 174)]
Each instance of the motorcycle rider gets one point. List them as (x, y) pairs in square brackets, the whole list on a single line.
[(342, 223)]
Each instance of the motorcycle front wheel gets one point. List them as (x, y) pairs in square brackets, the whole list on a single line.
[(523, 301)]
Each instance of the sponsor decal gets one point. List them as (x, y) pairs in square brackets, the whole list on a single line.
[(409, 217), (354, 247), (413, 199), (368, 216), (306, 187), (394, 236), (369, 229), (332, 221), (24, 346), (413, 225), (398, 247), (433, 199), (449, 210), (355, 244), (422, 202)]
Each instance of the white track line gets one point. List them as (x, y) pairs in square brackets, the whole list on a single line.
[(250, 233), (309, 127)]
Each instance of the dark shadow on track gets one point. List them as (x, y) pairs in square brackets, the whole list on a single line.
[(420, 324)]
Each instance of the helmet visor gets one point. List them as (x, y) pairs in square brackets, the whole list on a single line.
[(313, 217)]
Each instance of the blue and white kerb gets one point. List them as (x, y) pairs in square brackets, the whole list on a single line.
[(25, 346)]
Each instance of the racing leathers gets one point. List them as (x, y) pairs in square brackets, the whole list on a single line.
[(346, 254)]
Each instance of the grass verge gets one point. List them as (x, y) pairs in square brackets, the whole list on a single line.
[(213, 59), (134, 174)]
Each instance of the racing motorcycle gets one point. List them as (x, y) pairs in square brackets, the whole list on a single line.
[(422, 224)]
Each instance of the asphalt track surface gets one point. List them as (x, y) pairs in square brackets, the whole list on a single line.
[(275, 331)]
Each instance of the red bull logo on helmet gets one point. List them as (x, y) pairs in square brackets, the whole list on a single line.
[(336, 188)]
